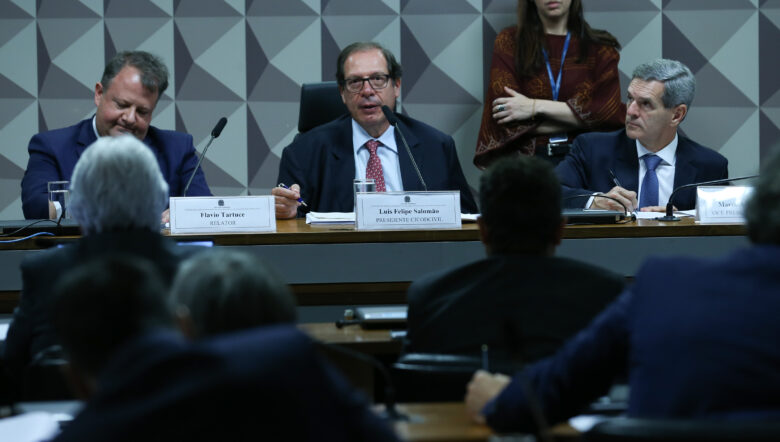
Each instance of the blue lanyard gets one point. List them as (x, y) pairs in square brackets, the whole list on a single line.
[(556, 84)]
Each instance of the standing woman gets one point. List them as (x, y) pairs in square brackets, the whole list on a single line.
[(552, 78)]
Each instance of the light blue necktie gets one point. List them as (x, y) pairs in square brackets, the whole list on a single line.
[(650, 183)]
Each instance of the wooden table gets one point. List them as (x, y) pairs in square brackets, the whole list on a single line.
[(447, 421), (329, 265)]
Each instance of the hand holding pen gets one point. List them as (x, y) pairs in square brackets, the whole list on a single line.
[(625, 197), (287, 200)]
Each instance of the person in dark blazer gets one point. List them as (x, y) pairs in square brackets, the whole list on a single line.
[(697, 337), (521, 300), (118, 194), (321, 164), (616, 163), (125, 97), (144, 381)]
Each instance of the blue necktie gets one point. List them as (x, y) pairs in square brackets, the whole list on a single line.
[(650, 183)]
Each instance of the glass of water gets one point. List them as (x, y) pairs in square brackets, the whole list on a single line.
[(59, 196), (361, 185)]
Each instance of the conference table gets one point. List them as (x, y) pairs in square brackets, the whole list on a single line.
[(338, 265)]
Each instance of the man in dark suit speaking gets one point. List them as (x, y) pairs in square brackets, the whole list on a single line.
[(125, 97), (322, 163), (641, 165)]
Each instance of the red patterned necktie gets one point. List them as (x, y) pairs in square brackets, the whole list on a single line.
[(374, 167)]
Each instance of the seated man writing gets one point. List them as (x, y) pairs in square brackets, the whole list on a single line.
[(641, 165)]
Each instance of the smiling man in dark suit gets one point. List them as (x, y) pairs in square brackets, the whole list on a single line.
[(641, 165), (323, 162), (131, 85)]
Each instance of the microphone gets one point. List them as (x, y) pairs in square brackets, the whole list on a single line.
[(394, 121), (670, 207), (391, 412), (214, 134)]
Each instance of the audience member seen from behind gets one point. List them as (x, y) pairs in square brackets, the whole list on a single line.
[(698, 337), (322, 163), (145, 381), (640, 166), (125, 99), (225, 290), (552, 48), (117, 195), (521, 300)]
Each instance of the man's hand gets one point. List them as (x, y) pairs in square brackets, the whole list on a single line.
[(482, 388), (627, 197), (166, 216), (286, 201)]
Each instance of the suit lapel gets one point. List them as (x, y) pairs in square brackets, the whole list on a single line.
[(409, 177), (684, 169), (627, 163), (86, 136), (341, 160)]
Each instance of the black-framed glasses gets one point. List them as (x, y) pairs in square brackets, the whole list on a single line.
[(377, 81)]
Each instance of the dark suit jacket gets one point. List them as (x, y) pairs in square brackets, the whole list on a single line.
[(322, 162), (524, 307), (54, 154), (585, 169), (263, 384), (699, 338), (31, 329)]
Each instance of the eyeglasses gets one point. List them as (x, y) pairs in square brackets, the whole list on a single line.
[(377, 81)]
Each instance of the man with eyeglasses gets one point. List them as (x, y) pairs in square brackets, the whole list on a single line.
[(321, 164)]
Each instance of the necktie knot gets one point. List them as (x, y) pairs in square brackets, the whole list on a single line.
[(372, 146), (652, 161)]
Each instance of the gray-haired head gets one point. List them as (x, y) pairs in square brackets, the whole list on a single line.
[(228, 290), (154, 74), (762, 211), (117, 186), (679, 82)]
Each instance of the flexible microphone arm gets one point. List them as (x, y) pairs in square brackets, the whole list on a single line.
[(394, 121), (391, 412), (214, 134), (670, 207)]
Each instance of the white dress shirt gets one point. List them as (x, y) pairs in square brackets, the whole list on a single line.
[(387, 152)]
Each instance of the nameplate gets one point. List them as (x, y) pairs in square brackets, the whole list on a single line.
[(407, 210), (721, 204), (211, 214)]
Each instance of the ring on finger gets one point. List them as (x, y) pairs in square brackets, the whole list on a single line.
[(501, 108)]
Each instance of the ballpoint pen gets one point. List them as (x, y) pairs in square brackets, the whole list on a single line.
[(300, 200), (614, 178)]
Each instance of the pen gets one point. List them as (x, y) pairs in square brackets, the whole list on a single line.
[(614, 178), (300, 200), (485, 365)]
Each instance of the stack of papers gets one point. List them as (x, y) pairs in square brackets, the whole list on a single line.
[(323, 218), (326, 218)]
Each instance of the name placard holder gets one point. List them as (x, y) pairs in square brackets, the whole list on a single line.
[(407, 210), (721, 204), (211, 214)]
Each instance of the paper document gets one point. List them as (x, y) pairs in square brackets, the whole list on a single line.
[(323, 218), (330, 218), (654, 215)]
